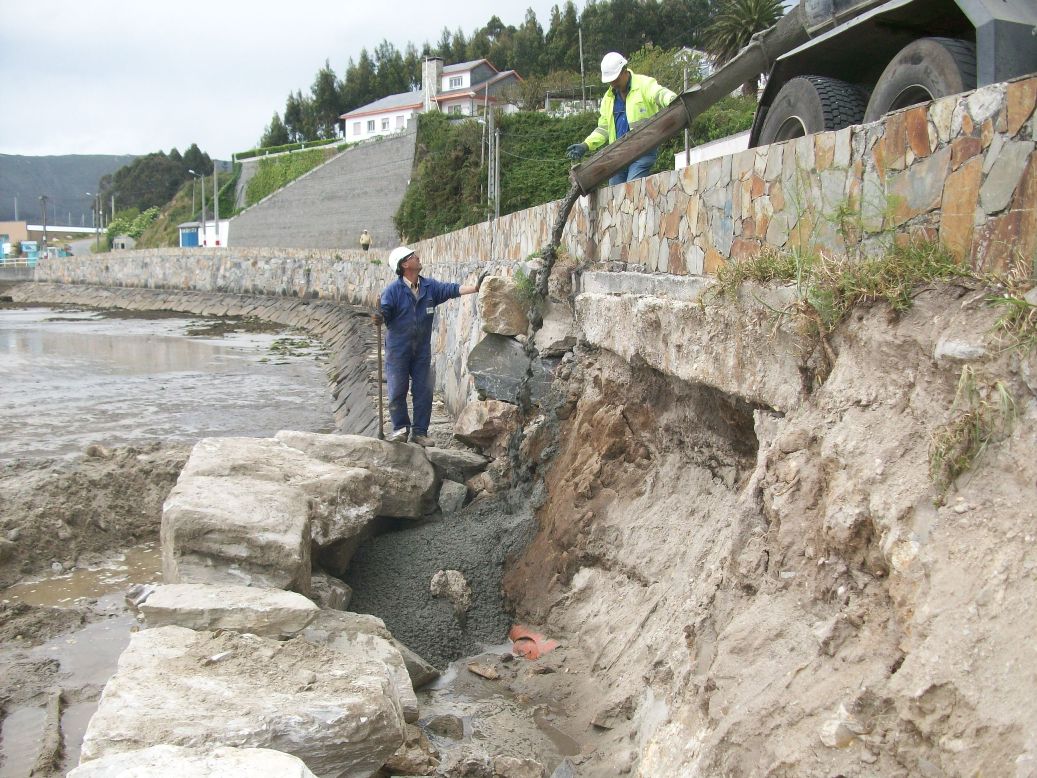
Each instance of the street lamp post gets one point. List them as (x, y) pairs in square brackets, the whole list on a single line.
[(199, 175)]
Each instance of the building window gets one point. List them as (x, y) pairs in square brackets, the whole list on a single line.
[(454, 109), (456, 81), (370, 125), (400, 120), (385, 124), (356, 128)]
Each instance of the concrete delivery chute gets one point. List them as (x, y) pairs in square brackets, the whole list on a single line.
[(833, 63)]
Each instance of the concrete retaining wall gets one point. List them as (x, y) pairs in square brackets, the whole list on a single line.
[(328, 207)]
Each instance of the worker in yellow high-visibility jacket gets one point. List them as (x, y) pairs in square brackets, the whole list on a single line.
[(631, 98)]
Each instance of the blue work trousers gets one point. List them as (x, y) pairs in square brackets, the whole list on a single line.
[(637, 169), (410, 371)]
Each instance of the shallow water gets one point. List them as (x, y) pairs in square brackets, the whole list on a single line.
[(142, 565), (74, 378)]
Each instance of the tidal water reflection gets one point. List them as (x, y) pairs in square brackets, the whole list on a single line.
[(70, 379)]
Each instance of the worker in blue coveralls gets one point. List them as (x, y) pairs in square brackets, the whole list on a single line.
[(407, 307)]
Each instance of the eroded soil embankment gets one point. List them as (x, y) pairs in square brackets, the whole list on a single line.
[(773, 593)]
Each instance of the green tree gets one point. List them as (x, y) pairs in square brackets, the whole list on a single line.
[(561, 43), (275, 134), (528, 46), (198, 161), (735, 22), (324, 103), (296, 117), (391, 73), (666, 66)]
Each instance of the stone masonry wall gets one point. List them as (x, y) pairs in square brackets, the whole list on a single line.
[(328, 207), (962, 169)]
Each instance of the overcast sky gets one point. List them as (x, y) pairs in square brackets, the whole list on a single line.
[(135, 76)]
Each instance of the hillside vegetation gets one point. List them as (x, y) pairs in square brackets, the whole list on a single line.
[(448, 189)]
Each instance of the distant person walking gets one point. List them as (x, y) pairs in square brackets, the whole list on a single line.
[(365, 240), (631, 98), (406, 308)]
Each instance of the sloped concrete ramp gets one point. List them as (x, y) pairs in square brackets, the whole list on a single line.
[(328, 207)]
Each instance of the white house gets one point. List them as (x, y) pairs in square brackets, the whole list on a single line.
[(464, 89)]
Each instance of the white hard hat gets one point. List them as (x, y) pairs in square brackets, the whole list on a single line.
[(397, 255), (612, 65)]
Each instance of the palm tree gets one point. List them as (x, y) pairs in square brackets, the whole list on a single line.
[(735, 22)]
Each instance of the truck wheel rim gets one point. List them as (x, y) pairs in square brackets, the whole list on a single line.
[(911, 95), (792, 127)]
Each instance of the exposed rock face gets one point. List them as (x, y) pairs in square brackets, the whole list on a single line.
[(773, 565), (337, 712)]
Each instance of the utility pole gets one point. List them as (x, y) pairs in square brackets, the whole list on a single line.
[(490, 192), (216, 204), (687, 134), (16, 207), (199, 175), (496, 174), (43, 202)]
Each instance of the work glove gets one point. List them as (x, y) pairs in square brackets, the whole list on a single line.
[(377, 319), (576, 151), (482, 276)]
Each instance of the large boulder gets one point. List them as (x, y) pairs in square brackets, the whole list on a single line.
[(257, 479), (500, 368), (338, 712), (180, 762), (236, 530), (558, 332), (327, 626), (342, 499), (337, 630), (455, 465), (403, 473), (487, 424), (501, 307), (267, 612)]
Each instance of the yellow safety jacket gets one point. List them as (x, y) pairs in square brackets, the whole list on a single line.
[(644, 99)]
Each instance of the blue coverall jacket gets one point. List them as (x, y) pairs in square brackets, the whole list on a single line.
[(408, 347)]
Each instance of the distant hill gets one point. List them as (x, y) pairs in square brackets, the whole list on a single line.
[(64, 179)]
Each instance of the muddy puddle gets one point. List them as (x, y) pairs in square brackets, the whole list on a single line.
[(493, 717), (116, 573)]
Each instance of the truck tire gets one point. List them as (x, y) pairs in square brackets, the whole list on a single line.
[(809, 104), (924, 70)]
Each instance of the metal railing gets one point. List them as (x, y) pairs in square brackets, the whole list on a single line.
[(18, 261)]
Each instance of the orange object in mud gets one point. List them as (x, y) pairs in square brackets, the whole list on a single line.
[(528, 644)]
